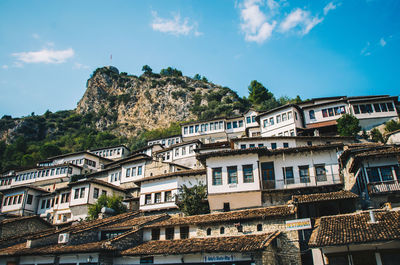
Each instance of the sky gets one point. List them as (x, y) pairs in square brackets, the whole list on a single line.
[(48, 49)]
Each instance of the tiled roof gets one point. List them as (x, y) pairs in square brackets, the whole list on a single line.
[(135, 221), (109, 147), (177, 145), (174, 174), (25, 218), (356, 228), (80, 227), (131, 158), (204, 245), (375, 153), (267, 151), (274, 211), (316, 197), (260, 138)]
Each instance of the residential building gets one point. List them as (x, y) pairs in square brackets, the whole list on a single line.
[(373, 172), (21, 200), (181, 154), (167, 141), (112, 152), (158, 192), (90, 162), (368, 238), (286, 120), (254, 177)]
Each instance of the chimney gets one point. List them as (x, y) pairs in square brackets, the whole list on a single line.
[(372, 216)]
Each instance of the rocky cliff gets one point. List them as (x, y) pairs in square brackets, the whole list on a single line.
[(130, 104)]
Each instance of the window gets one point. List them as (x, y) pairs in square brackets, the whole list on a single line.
[(169, 233), (248, 174), (309, 143), (288, 175), (43, 204), (320, 172), (155, 234), (157, 197), (234, 124), (211, 126), (240, 123), (95, 193), (386, 173), (76, 194), (373, 174), (221, 124), (259, 227), (248, 120), (271, 121), (185, 130), (146, 260), (324, 113), (260, 145), (242, 146), (196, 128), (191, 129), (208, 231), (128, 172), (356, 109), (191, 149), (289, 115), (183, 151), (222, 230), (273, 145), (377, 108), (390, 106), (184, 231), (383, 107), (311, 113), (82, 195), (232, 175), (217, 176), (253, 118), (168, 196), (133, 171), (304, 174), (228, 125), (177, 152), (265, 123), (139, 170), (284, 117), (285, 145), (29, 199), (15, 200), (19, 199), (278, 118), (147, 199), (227, 207)]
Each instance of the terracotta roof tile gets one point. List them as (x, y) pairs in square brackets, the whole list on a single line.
[(356, 228), (336, 195), (210, 244), (136, 221), (275, 211)]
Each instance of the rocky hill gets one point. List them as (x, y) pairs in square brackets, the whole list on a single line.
[(152, 100)]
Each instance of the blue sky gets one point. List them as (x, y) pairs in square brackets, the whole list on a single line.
[(48, 49)]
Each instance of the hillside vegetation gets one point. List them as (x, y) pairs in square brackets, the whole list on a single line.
[(118, 108)]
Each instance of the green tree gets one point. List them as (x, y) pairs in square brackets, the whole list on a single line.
[(197, 77), (170, 72), (114, 202), (392, 126), (192, 201), (348, 125), (48, 150), (260, 97), (376, 135), (146, 69)]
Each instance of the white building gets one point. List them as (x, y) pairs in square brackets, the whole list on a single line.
[(167, 141), (255, 177), (286, 120), (181, 154), (158, 193), (22, 200), (112, 152)]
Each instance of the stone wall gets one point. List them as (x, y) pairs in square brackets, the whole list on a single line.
[(22, 227), (288, 246)]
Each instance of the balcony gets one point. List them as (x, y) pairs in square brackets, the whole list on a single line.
[(303, 182), (384, 187)]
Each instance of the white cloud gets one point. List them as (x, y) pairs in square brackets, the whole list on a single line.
[(300, 19), (45, 56), (175, 26), (382, 42), (4, 66), (329, 7), (35, 36), (254, 22), (365, 51), (272, 4)]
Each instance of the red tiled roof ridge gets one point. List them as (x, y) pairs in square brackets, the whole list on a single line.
[(334, 195), (228, 215)]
